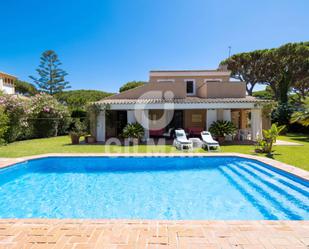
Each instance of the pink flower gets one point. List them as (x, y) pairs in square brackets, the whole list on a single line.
[(46, 109)]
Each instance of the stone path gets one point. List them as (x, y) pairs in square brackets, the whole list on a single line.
[(129, 234), (286, 143)]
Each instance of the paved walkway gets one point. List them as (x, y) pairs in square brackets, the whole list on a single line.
[(286, 143), (113, 234)]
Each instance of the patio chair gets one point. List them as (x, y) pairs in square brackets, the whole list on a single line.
[(208, 141), (181, 142), (169, 133)]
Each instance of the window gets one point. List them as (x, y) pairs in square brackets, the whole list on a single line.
[(165, 80), (213, 80), (190, 87)]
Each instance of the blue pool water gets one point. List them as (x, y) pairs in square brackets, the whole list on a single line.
[(151, 188)]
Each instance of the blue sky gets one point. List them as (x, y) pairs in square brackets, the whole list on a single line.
[(105, 43)]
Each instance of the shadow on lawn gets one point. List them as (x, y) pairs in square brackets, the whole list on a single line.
[(272, 155), (299, 137)]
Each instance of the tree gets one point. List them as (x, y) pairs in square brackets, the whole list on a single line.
[(51, 77), (246, 67), (287, 68), (264, 94), (131, 85), (78, 99), (25, 88), (302, 116)]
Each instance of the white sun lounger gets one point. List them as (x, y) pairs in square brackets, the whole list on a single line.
[(181, 142), (208, 141)]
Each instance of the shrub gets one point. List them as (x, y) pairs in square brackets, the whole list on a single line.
[(48, 116), (4, 121), (133, 131), (265, 144), (16, 109), (222, 128), (282, 114), (301, 116)]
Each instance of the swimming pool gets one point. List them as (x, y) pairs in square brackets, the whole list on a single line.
[(177, 188)]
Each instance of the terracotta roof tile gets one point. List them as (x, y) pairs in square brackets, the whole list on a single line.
[(188, 100)]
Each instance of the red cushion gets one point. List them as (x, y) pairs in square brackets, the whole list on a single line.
[(156, 132), (195, 130)]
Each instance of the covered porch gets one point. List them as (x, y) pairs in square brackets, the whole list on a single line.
[(247, 118), (194, 121)]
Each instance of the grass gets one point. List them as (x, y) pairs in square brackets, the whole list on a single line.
[(294, 155)]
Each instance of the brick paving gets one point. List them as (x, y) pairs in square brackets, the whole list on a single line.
[(142, 234)]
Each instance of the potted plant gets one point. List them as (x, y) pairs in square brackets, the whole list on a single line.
[(221, 128), (134, 132), (78, 129)]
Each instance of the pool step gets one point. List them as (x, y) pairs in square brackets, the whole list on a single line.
[(276, 183), (293, 206), (254, 197), (297, 186)]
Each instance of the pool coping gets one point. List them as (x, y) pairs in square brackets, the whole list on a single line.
[(303, 174), (154, 234)]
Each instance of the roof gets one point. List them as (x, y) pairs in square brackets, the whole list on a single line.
[(9, 75), (182, 73), (187, 100)]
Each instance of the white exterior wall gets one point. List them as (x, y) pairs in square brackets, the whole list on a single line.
[(131, 116), (145, 123), (256, 123), (8, 89), (101, 127), (227, 116)]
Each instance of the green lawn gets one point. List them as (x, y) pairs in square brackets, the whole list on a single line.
[(294, 155)]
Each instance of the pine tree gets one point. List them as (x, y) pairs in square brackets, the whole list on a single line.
[(51, 77)]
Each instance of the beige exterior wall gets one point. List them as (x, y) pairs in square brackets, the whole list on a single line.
[(226, 90), (178, 88), (194, 118), (158, 85), (154, 90)]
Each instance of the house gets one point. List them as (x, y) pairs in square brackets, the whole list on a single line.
[(189, 99), (7, 83)]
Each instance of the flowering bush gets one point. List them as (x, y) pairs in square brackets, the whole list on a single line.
[(16, 109), (4, 120), (38, 116), (47, 116)]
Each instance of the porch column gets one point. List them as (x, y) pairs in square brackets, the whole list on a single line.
[(211, 117), (256, 123), (131, 116), (101, 127), (227, 117), (145, 123)]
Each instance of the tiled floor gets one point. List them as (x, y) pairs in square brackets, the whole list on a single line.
[(126, 234)]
